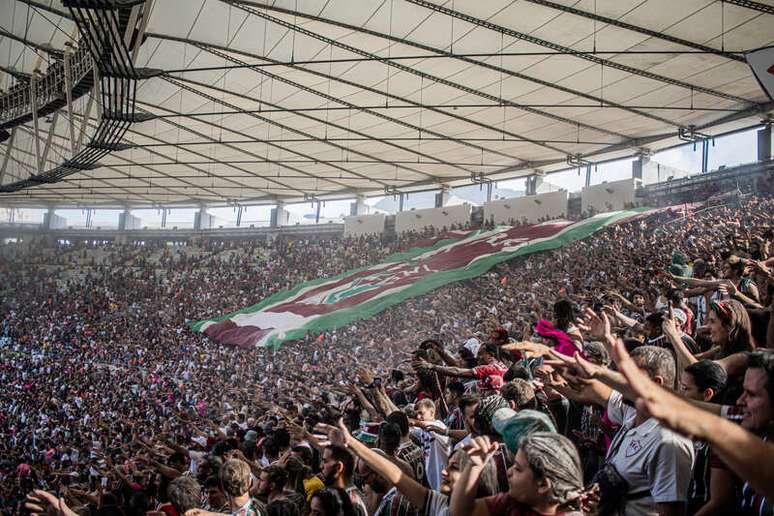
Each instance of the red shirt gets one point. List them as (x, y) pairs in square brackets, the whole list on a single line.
[(490, 377), (503, 505)]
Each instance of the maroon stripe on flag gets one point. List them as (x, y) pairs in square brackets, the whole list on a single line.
[(401, 274), (227, 332)]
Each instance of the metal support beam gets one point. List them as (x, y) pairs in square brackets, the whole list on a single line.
[(582, 55), (598, 101), (447, 113), (49, 137), (755, 6), (35, 125), (638, 29), (245, 6), (44, 7), (97, 92), (140, 35), (7, 155), (48, 49), (286, 128), (69, 97), (84, 122), (349, 105)]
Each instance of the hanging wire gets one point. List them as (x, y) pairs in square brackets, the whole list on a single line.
[(594, 37), (502, 49), (293, 43), (389, 56), (328, 99), (722, 25), (451, 38)]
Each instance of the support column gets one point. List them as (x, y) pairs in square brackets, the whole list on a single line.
[(442, 197), (127, 221), (359, 207), (638, 167), (53, 221), (279, 215), (69, 95), (202, 219), (533, 182), (35, 123), (765, 143)]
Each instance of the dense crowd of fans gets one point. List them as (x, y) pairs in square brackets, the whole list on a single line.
[(622, 374)]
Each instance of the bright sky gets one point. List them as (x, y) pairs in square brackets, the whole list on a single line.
[(729, 150)]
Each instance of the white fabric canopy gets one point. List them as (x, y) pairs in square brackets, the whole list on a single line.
[(357, 96)]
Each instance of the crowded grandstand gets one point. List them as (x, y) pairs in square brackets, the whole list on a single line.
[(600, 343)]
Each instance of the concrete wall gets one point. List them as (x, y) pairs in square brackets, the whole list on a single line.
[(654, 172), (203, 220), (53, 221), (435, 217), (127, 221), (606, 197), (533, 207), (359, 225)]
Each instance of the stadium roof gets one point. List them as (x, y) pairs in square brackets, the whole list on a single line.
[(255, 102)]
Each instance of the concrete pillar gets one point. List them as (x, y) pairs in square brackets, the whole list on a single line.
[(53, 221), (442, 197), (765, 143), (127, 221), (640, 167), (202, 219), (533, 182), (359, 207), (279, 215)]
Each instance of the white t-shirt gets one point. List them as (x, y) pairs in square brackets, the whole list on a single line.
[(436, 450), (649, 457)]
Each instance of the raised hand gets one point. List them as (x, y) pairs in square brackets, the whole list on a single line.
[(41, 502), (673, 411), (599, 326), (365, 375), (586, 369), (337, 435), (480, 450)]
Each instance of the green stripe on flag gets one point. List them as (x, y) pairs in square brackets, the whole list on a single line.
[(477, 267)]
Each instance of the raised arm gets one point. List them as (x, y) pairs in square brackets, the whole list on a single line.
[(445, 370), (684, 355), (408, 487), (463, 500), (751, 458)]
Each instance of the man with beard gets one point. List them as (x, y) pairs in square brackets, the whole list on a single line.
[(431, 502), (338, 466), (384, 499)]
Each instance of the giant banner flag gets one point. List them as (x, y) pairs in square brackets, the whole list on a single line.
[(330, 303)]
